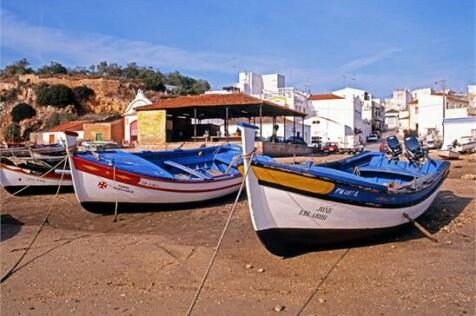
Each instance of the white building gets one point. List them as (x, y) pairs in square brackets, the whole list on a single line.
[(55, 135), (399, 100), (272, 87), (391, 119), (430, 112), (340, 117), (472, 95), (417, 93), (130, 117)]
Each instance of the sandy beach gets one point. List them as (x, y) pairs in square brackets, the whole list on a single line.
[(151, 263)]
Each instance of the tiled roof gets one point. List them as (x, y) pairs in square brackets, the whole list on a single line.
[(326, 96), (70, 126), (215, 100)]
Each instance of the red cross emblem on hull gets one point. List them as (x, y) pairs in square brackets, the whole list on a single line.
[(102, 185)]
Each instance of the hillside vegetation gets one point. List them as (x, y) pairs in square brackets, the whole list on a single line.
[(31, 100)]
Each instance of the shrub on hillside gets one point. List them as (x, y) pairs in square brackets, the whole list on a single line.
[(12, 132), (83, 92), (57, 95), (22, 111), (52, 69), (9, 94), (52, 121)]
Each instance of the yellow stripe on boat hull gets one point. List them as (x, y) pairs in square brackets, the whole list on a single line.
[(292, 180)]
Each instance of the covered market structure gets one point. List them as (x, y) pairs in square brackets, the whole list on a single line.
[(194, 118)]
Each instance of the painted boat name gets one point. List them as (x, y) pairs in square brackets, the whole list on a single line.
[(321, 213), (347, 192)]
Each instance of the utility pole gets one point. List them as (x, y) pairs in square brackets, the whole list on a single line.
[(443, 84)]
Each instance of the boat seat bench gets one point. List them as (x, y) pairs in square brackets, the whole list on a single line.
[(393, 171), (198, 174)]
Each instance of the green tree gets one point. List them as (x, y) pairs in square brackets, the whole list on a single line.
[(152, 81), (57, 95), (12, 132), (19, 67), (52, 69), (22, 111)]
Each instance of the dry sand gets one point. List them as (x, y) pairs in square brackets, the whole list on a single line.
[(151, 263)]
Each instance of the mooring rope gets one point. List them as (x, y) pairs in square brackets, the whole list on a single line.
[(45, 220), (42, 176), (215, 252)]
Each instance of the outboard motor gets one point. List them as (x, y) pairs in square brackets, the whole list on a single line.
[(414, 151), (394, 147)]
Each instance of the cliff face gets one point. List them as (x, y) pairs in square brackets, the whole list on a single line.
[(110, 95)]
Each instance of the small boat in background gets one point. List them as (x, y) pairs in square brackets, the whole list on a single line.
[(341, 201), (146, 179), (466, 144), (448, 154), (30, 175)]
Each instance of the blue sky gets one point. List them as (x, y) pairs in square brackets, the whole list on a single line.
[(320, 46)]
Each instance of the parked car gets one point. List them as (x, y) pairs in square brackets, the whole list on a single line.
[(330, 148), (296, 140), (372, 137)]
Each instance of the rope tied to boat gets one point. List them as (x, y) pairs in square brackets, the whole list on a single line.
[(42, 176), (217, 248), (45, 220)]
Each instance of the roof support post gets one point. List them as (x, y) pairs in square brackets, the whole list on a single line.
[(261, 122), (284, 127), (194, 124), (275, 132), (294, 126), (302, 125), (226, 122)]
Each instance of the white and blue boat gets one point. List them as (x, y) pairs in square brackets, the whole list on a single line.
[(145, 180), (341, 201)]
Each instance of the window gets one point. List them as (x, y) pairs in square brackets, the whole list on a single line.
[(99, 137)]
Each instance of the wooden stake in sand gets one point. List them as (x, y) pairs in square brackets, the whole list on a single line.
[(420, 228)]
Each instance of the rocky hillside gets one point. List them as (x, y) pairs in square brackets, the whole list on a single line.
[(109, 96)]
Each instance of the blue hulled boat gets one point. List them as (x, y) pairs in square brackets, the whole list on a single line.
[(146, 179), (339, 201)]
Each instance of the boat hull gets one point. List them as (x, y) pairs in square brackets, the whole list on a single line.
[(284, 219), (13, 179), (99, 187)]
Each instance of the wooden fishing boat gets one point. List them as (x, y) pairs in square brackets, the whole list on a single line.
[(33, 151), (147, 179), (448, 154), (29, 175), (346, 200)]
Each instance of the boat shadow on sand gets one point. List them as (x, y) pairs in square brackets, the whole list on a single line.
[(10, 226), (446, 208)]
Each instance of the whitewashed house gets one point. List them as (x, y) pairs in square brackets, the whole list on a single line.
[(341, 116), (430, 112), (55, 135), (391, 119), (130, 117)]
